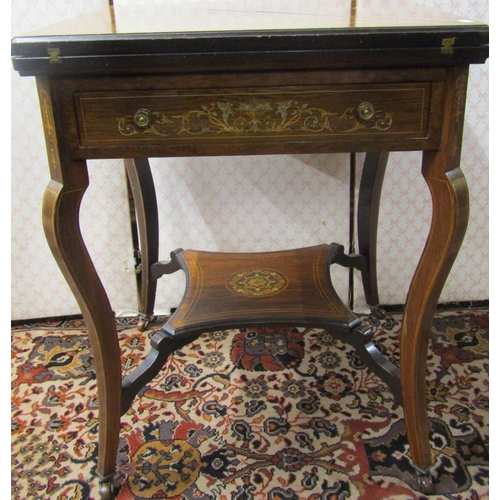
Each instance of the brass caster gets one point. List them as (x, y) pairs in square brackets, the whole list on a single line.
[(143, 324), (425, 484), (379, 313), (106, 491)]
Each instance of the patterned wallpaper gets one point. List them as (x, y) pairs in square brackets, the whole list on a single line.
[(235, 204)]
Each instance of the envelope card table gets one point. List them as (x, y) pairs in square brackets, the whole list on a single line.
[(255, 78)]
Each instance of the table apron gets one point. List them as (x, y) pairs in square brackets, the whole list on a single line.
[(154, 116)]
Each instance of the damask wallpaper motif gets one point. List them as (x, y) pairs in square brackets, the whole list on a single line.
[(235, 204)]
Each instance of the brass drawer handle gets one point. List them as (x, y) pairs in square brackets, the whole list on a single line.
[(143, 118), (366, 111)]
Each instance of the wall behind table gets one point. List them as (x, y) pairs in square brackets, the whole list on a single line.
[(245, 203)]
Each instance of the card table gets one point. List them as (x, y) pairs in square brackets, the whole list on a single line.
[(231, 78)]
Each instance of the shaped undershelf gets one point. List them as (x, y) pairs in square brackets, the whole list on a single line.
[(237, 290)]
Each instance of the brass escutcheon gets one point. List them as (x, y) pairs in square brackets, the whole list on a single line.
[(143, 118), (365, 111)]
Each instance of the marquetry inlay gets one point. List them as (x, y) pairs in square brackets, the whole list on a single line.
[(252, 117), (209, 116), (257, 282)]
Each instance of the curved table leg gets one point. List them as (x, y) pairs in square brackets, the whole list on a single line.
[(60, 217), (370, 190), (144, 219), (441, 170), (69, 180)]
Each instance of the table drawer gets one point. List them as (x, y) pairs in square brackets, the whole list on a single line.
[(145, 117)]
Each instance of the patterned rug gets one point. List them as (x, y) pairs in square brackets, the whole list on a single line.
[(268, 414)]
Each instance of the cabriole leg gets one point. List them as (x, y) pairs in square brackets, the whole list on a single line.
[(61, 205), (370, 190), (449, 221), (144, 221)]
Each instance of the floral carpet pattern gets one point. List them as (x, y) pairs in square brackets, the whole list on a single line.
[(255, 414)]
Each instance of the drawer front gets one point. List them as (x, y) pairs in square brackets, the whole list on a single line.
[(123, 118)]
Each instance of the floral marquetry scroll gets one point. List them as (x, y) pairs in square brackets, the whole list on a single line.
[(380, 120), (253, 117), (207, 115), (236, 118)]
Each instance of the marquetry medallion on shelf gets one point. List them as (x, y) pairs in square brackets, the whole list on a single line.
[(211, 115), (257, 282)]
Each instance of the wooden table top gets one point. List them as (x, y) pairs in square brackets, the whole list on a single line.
[(334, 34), (241, 15)]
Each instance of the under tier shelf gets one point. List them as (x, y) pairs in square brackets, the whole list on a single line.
[(230, 290), (238, 290)]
